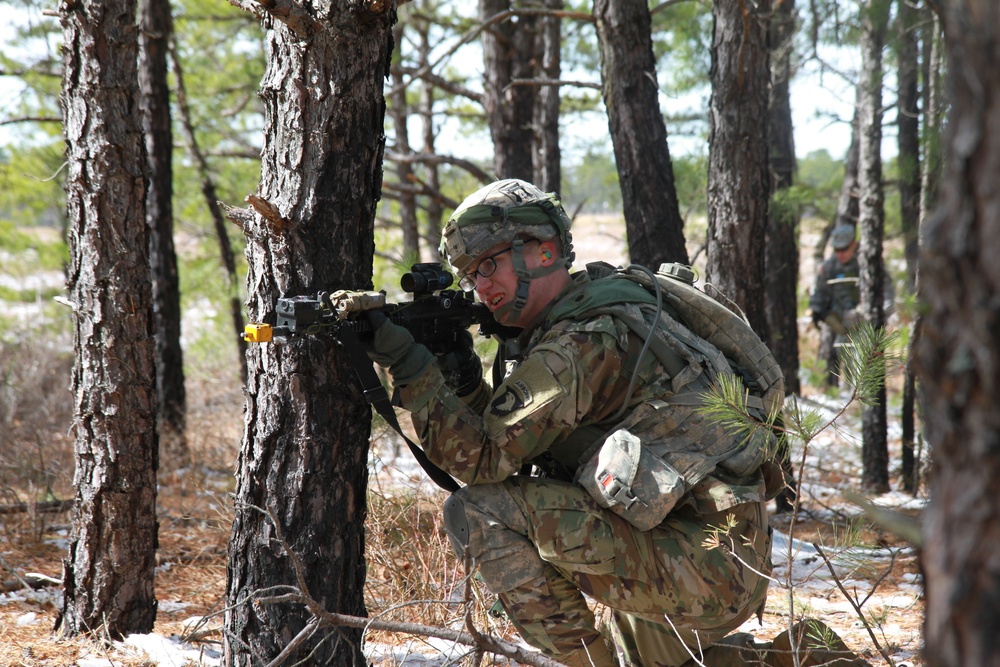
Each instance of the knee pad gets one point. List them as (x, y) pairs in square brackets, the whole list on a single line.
[(456, 524)]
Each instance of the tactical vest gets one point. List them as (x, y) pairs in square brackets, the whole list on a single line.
[(664, 452)]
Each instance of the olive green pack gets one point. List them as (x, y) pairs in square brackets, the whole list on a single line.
[(666, 451)]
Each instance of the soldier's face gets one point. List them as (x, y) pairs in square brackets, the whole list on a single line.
[(844, 255), (498, 289)]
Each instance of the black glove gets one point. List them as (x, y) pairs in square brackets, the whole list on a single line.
[(817, 319), (461, 366), (393, 346)]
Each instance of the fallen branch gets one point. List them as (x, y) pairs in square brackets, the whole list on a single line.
[(323, 618), (47, 507), (32, 580)]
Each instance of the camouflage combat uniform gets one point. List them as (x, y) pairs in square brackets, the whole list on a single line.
[(836, 289), (542, 543)]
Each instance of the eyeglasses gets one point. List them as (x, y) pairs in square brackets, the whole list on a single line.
[(487, 267)]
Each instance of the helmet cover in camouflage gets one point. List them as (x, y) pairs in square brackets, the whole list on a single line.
[(499, 213), (842, 236)]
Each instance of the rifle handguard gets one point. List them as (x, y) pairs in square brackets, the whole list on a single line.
[(345, 302)]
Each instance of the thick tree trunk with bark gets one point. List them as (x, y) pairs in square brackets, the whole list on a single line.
[(108, 574), (508, 53), (908, 122), (908, 141), (738, 179), (302, 474), (548, 158), (653, 221), (781, 250), (154, 42), (930, 174), (959, 353), (871, 213)]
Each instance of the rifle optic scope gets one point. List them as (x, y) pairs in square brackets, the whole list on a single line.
[(425, 278)]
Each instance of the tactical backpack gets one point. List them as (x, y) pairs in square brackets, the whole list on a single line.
[(666, 451)]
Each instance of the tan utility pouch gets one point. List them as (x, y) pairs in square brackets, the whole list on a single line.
[(631, 481)]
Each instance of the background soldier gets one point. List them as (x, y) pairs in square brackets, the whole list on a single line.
[(835, 297)]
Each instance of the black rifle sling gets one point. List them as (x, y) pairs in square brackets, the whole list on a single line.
[(377, 396)]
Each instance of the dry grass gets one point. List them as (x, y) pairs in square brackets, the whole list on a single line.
[(413, 574)]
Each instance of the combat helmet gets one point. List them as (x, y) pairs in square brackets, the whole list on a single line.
[(508, 211)]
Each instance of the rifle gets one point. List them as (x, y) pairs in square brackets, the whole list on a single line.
[(435, 316)]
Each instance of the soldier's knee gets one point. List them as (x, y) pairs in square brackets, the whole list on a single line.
[(456, 524)]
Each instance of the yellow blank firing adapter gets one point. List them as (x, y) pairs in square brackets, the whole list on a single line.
[(258, 333)]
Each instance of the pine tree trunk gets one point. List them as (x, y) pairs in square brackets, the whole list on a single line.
[(908, 122), (781, 251), (108, 574), (653, 221), (548, 158), (929, 181), (434, 204), (959, 354), (302, 473), (154, 42), (508, 50), (871, 211), (908, 140), (738, 179)]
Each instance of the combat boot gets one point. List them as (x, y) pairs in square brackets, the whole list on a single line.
[(816, 643), (594, 654)]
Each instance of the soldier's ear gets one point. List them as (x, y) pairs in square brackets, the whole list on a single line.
[(547, 249)]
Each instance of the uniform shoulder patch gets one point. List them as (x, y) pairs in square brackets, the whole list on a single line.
[(516, 395), (530, 387)]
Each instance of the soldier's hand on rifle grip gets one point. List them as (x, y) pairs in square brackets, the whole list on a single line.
[(461, 367), (393, 346)]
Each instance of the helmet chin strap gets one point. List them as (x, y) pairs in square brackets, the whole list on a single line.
[(524, 276)]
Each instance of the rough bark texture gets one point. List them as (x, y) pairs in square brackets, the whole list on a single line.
[(959, 353), (781, 250), (154, 42), (547, 156), (930, 174), (508, 50), (871, 214), (653, 221), (738, 179), (302, 474), (908, 122), (108, 574)]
